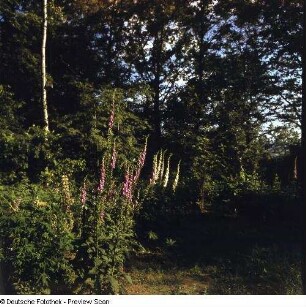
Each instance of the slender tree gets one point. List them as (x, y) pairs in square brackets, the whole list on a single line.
[(43, 67), (302, 156)]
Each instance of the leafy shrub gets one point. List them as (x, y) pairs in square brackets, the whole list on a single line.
[(36, 241)]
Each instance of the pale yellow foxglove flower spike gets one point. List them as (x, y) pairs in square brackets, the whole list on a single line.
[(159, 165), (166, 177), (162, 170), (175, 183), (154, 170)]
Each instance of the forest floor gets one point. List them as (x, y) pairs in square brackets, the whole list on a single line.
[(221, 255)]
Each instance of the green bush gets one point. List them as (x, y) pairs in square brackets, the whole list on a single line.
[(36, 240)]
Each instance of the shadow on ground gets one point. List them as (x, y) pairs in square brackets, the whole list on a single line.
[(212, 254)]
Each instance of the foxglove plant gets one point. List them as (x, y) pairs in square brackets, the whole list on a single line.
[(127, 185), (66, 193), (102, 177), (109, 215), (177, 176), (160, 175), (160, 164), (166, 177), (114, 158), (154, 170), (141, 162)]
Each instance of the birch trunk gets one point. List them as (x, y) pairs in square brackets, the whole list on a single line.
[(43, 67)]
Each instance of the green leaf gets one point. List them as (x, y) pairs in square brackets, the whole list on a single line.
[(114, 284)]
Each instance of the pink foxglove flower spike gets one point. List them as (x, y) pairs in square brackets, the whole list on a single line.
[(141, 161), (102, 177), (127, 185)]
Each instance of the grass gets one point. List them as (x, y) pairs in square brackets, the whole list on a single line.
[(151, 278), (221, 255)]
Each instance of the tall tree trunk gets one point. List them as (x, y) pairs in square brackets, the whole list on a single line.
[(303, 150), (43, 67)]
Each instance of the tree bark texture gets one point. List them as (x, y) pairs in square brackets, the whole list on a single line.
[(43, 67)]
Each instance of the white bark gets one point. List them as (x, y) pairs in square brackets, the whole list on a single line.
[(43, 67)]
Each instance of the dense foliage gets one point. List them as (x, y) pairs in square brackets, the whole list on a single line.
[(213, 88)]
